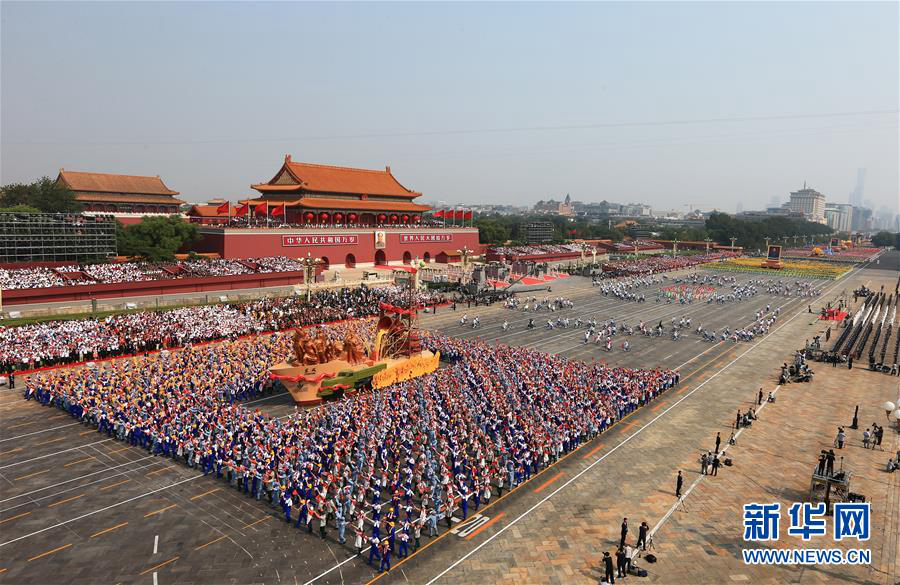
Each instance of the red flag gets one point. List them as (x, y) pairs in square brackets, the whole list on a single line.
[(467, 215), (572, 231), (459, 214), (439, 213), (277, 210), (223, 208), (261, 208), (242, 210)]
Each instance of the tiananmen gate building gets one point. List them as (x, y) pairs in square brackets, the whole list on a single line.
[(346, 216)]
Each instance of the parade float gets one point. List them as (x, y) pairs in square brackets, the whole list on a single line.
[(327, 369)]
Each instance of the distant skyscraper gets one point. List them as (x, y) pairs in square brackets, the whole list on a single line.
[(856, 196)]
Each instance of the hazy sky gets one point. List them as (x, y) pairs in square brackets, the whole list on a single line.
[(469, 103)]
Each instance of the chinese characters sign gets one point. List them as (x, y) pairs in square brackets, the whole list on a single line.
[(319, 240), (807, 520), (425, 238)]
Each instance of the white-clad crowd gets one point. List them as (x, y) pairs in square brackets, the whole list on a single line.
[(86, 274), (52, 342)]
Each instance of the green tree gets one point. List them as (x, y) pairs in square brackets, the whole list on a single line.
[(491, 231), (885, 239), (155, 238), (45, 194)]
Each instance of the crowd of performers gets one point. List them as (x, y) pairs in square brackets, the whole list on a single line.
[(67, 341), (381, 467), (602, 331)]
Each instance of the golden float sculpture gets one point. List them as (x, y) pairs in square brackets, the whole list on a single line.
[(324, 369)]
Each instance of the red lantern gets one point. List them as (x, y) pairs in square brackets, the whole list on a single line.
[(417, 218), (351, 217), (323, 217), (405, 218), (338, 217), (309, 215), (381, 217), (393, 218)]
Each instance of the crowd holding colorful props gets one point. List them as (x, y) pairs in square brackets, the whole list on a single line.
[(827, 254), (687, 292), (792, 268), (67, 341), (385, 462)]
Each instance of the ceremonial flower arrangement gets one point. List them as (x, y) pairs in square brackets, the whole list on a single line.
[(825, 254), (799, 268)]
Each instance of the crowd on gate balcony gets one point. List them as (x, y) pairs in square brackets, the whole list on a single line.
[(388, 464), (67, 341)]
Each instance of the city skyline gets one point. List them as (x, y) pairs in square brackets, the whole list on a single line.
[(503, 103)]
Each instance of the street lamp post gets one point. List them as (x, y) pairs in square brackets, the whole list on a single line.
[(707, 240), (733, 240), (674, 247), (309, 272), (464, 252)]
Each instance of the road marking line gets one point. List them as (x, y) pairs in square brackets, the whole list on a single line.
[(39, 432), (53, 454), (88, 458), (541, 487), (87, 432), (117, 526), (211, 542), (31, 422), (160, 470), (198, 496), (10, 451), (160, 511), (674, 506), (104, 509), (66, 500), (172, 560), (485, 525), (50, 552), (103, 489), (14, 517), (257, 522), (51, 441), (155, 544), (31, 475)]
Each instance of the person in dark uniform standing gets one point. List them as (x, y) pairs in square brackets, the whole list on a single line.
[(678, 483), (715, 465), (621, 561), (624, 533), (608, 566), (759, 398), (642, 536), (718, 441)]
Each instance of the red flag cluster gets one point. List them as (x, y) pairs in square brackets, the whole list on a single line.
[(453, 214)]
